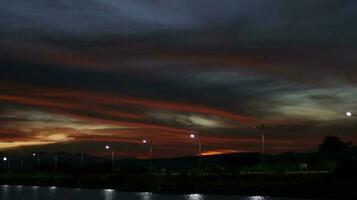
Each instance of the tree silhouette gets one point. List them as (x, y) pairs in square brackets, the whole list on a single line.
[(332, 144)]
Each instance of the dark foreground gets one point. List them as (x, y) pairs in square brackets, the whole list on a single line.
[(280, 185), (331, 175)]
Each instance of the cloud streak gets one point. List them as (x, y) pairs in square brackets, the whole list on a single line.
[(116, 71)]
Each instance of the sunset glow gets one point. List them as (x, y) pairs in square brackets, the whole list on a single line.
[(80, 78)]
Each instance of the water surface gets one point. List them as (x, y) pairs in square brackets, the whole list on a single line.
[(19, 192)]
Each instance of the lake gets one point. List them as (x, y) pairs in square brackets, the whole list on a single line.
[(19, 192)]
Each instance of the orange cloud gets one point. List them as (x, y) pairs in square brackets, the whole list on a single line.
[(115, 118)]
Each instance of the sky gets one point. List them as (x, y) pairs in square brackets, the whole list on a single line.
[(78, 75)]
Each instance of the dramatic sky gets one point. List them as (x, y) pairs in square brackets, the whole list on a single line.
[(76, 75)]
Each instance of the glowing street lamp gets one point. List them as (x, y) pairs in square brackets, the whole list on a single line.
[(38, 159), (149, 142), (351, 114), (5, 159), (107, 147), (261, 131), (194, 135)]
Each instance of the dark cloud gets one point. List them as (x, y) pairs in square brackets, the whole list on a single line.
[(104, 70)]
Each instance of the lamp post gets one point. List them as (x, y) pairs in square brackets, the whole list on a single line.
[(22, 163), (37, 158), (194, 135), (107, 147), (82, 159), (7, 161), (56, 163), (149, 142), (261, 131)]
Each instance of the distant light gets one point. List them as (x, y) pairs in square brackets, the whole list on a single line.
[(107, 147), (53, 188), (349, 114), (145, 141), (33, 154), (192, 136), (4, 159)]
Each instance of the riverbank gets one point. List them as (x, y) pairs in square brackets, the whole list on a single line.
[(281, 185)]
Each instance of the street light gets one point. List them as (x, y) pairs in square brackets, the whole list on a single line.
[(107, 147), (351, 114), (5, 159), (38, 160), (261, 131), (194, 135), (149, 142)]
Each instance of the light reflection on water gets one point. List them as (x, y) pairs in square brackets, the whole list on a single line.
[(195, 197), (52, 190), (19, 192), (145, 195), (35, 192), (109, 194), (258, 198), (5, 191)]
